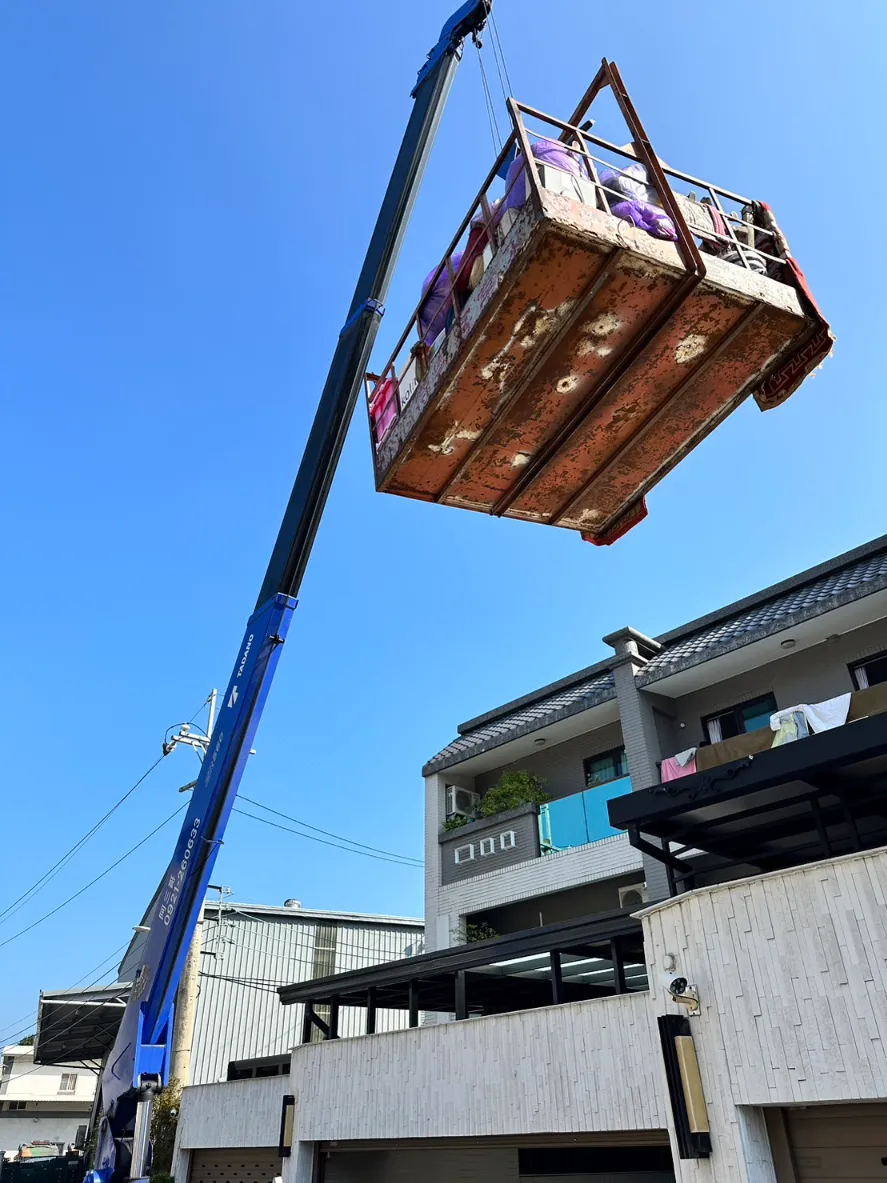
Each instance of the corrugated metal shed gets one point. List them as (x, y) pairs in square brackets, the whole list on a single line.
[(248, 950)]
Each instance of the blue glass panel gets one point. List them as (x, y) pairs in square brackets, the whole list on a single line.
[(567, 819), (582, 817), (597, 819)]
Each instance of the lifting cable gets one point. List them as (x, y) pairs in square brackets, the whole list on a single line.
[(495, 133), (499, 55)]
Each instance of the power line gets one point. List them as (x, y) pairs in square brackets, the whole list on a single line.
[(58, 866), (73, 986), (329, 834), (92, 882), (311, 838)]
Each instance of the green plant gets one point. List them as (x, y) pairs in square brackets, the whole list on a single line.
[(164, 1120), (481, 931), (511, 790), (454, 823)]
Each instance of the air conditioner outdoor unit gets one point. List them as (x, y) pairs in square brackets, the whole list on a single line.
[(633, 895), (461, 802)]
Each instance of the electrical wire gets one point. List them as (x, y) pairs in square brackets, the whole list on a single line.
[(92, 882), (311, 838), (329, 834), (33, 1014), (60, 865)]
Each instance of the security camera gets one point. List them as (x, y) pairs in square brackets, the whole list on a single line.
[(681, 991)]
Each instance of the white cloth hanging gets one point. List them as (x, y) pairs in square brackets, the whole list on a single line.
[(820, 716)]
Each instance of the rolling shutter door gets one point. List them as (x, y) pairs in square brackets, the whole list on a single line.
[(839, 1143)]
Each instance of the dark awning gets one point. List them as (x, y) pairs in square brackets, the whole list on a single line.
[(594, 958), (815, 798), (78, 1025)]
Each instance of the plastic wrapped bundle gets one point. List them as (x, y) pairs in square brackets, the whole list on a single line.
[(438, 301), (641, 201), (546, 152)]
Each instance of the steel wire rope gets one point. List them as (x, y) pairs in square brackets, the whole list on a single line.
[(499, 52)]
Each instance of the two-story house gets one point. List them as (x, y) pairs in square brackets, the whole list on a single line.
[(674, 968), (39, 1103)]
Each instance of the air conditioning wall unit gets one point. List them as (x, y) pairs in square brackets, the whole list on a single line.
[(633, 895), (462, 802)]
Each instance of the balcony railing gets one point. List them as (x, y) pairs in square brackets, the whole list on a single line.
[(863, 703), (580, 818)]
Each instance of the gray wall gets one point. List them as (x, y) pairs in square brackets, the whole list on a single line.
[(560, 765), (490, 843), (809, 676), (586, 900)]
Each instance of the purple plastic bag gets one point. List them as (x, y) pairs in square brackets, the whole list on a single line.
[(640, 205), (646, 217), (438, 302), (546, 152)]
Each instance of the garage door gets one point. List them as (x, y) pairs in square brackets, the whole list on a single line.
[(839, 1143), (234, 1166)]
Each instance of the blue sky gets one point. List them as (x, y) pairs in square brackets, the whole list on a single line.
[(187, 195)]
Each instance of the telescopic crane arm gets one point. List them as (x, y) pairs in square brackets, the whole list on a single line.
[(138, 1064)]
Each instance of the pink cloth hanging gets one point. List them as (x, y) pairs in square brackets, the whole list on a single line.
[(671, 770)]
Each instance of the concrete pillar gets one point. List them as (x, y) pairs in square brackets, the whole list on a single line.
[(299, 1166), (633, 650)]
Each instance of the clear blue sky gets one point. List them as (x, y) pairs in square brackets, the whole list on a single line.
[(187, 193)]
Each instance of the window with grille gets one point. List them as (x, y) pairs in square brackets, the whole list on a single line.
[(68, 1082)]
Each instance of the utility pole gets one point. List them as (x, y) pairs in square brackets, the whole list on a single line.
[(186, 1010), (186, 995)]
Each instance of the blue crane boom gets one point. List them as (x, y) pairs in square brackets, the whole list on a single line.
[(138, 1064)]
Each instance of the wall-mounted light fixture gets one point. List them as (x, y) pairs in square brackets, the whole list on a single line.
[(287, 1120), (692, 1131)]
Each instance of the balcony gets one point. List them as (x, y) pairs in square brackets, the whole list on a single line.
[(760, 808), (529, 832), (863, 703)]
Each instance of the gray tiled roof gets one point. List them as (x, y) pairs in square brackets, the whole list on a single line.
[(550, 709), (784, 610), (841, 580)]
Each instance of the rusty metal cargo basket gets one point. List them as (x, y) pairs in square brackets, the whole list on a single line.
[(576, 358)]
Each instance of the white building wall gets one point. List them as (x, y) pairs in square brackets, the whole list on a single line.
[(41, 1082), (35, 1126), (792, 974), (586, 1067)]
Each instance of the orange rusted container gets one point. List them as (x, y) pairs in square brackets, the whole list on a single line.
[(583, 356)]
